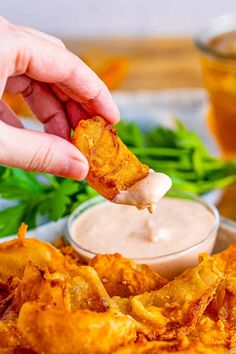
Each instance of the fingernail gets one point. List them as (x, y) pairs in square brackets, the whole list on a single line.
[(78, 169)]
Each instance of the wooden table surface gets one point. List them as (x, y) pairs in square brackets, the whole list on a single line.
[(154, 63)]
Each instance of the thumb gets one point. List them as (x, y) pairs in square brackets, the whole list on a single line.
[(41, 152)]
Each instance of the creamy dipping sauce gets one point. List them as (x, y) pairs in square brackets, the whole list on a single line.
[(146, 192), (176, 224)]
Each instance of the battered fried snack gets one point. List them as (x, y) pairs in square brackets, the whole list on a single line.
[(112, 166), (52, 331), (86, 289), (212, 333), (66, 308), (221, 312), (226, 260), (39, 285), (176, 307), (122, 277), (15, 254), (193, 347), (69, 289), (218, 325), (9, 337), (71, 256)]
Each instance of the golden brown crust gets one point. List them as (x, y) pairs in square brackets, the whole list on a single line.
[(9, 337), (226, 260), (193, 347), (112, 166), (122, 277), (53, 331), (15, 254), (176, 307), (66, 309)]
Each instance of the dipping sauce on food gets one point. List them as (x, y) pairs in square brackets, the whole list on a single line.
[(176, 226), (145, 193)]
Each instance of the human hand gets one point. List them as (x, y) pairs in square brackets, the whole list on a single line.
[(60, 90)]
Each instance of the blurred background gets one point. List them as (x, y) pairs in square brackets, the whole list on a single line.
[(106, 18), (151, 37), (144, 44)]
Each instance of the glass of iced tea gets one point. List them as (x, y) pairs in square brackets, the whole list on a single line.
[(217, 44)]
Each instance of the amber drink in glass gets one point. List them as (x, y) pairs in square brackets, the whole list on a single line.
[(217, 45)]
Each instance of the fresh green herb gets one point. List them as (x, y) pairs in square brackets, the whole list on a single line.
[(181, 154), (10, 219), (178, 152), (131, 134), (36, 196)]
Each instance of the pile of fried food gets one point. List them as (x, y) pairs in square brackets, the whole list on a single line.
[(52, 302)]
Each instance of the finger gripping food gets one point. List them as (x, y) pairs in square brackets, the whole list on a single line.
[(114, 171)]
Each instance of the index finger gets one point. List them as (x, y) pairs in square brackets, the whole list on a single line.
[(45, 61)]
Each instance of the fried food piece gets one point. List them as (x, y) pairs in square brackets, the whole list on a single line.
[(4, 290), (10, 287), (86, 289), (223, 305), (39, 285), (9, 336), (72, 288), (52, 331), (15, 254), (112, 166), (71, 256), (211, 333), (219, 321), (226, 302), (221, 312), (18, 351), (176, 307), (56, 311), (122, 277), (194, 347), (226, 260)]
